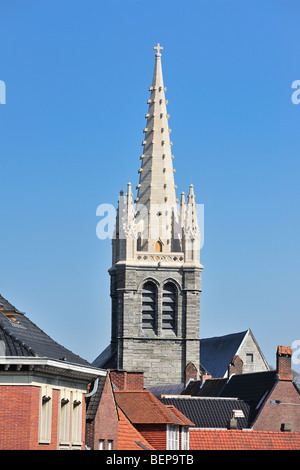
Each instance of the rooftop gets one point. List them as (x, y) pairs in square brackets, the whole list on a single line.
[(19, 336), (216, 439)]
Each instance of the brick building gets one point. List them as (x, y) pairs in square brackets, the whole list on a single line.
[(42, 387), (261, 401)]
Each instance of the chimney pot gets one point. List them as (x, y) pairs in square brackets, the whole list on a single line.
[(284, 362)]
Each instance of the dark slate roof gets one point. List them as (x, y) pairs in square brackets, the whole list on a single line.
[(103, 358), (250, 387), (253, 388), (210, 412), (216, 353), (94, 400), (209, 388), (23, 338), (173, 389)]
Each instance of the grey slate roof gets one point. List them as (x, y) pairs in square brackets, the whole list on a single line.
[(210, 412), (103, 358), (216, 353), (250, 387), (94, 400), (209, 388), (24, 338), (173, 389)]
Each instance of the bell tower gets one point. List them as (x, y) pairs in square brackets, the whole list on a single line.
[(156, 270)]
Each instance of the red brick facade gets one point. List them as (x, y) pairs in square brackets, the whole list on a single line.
[(235, 366), (20, 418), (125, 380), (104, 427), (282, 407)]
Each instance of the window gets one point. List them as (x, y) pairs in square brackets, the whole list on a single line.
[(172, 437), (185, 438), (76, 418), (148, 306), (169, 306), (101, 444), (249, 358), (64, 423), (158, 247), (109, 445), (45, 415)]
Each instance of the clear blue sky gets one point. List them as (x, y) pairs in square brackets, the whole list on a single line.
[(77, 74)]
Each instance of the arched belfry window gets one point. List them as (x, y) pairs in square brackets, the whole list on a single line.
[(149, 303), (169, 306), (158, 247)]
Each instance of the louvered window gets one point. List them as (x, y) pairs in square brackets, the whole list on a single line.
[(149, 306), (169, 306)]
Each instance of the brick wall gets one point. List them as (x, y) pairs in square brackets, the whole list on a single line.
[(274, 414), (125, 380), (105, 424), (19, 418), (235, 366), (17, 410), (155, 434)]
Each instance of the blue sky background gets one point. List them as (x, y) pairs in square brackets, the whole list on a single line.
[(77, 74)]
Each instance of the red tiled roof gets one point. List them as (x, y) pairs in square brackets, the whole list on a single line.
[(215, 439), (142, 407), (128, 436)]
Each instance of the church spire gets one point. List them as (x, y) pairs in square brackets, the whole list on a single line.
[(156, 185)]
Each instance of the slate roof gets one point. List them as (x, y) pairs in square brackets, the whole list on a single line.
[(92, 402), (173, 389), (215, 439), (103, 359), (208, 388), (19, 336), (210, 412), (253, 389), (250, 387), (216, 353)]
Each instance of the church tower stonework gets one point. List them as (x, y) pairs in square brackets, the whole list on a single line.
[(156, 270)]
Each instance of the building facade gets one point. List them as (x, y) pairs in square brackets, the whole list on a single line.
[(156, 270)]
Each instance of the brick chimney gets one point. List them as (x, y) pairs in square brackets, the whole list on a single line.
[(190, 373), (235, 366), (284, 362), (127, 380)]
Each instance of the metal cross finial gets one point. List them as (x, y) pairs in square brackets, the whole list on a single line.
[(158, 48)]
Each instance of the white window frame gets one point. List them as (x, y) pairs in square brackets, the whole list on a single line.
[(64, 417), (101, 444), (110, 444), (185, 438), (45, 415), (76, 419), (172, 437)]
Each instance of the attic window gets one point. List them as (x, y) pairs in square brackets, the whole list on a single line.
[(249, 358), (238, 414), (9, 314)]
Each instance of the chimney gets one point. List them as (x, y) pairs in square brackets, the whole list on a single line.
[(235, 366), (127, 380), (190, 373), (284, 362), (233, 421)]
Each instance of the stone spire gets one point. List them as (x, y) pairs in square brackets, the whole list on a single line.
[(156, 184)]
